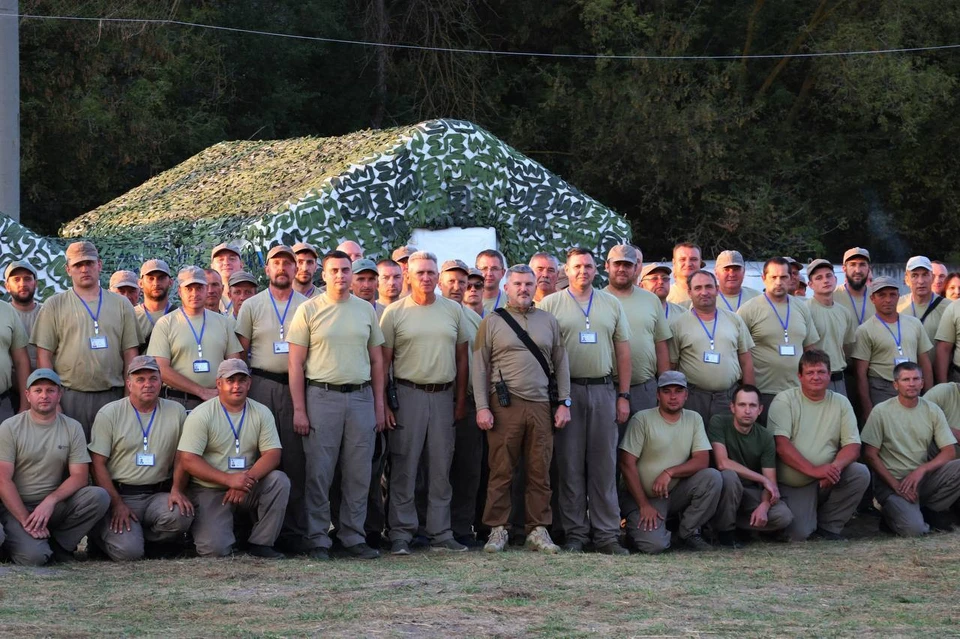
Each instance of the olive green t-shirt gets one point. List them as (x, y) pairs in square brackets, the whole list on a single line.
[(949, 329), (672, 311), (260, 323), (206, 432), (424, 339), (64, 327), (755, 450), (658, 444), (28, 319), (733, 303), (172, 339), (818, 430), (690, 343), (947, 397), (608, 322), (837, 328), (473, 325), (906, 307), (338, 337), (876, 343), (648, 325), (41, 453), (493, 303), (118, 436), (861, 307), (146, 320), (679, 296), (12, 337), (775, 372), (904, 435)]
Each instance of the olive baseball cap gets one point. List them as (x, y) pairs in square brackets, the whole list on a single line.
[(880, 283), (154, 266), (363, 264), (622, 253), (225, 246), (141, 363), (300, 247), (43, 373), (17, 265), (240, 277), (655, 266), (191, 275), (231, 367), (672, 378), (281, 249), (818, 263), (402, 253), (856, 252), (81, 252), (456, 265), (919, 261), (124, 278), (474, 272), (730, 258)]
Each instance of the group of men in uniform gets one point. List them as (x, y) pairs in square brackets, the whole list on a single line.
[(453, 406)]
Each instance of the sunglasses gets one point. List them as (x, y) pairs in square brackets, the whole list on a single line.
[(475, 286)]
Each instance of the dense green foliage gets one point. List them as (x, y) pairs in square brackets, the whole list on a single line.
[(802, 156)]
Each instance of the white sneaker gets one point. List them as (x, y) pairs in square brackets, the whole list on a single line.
[(539, 539), (497, 540)]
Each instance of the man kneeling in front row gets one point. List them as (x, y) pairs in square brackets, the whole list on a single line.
[(664, 459), (231, 449)]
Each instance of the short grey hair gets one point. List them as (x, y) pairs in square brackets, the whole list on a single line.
[(423, 255), (701, 271), (520, 268), (545, 256)]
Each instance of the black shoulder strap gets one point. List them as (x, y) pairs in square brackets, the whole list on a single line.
[(526, 339), (931, 308)]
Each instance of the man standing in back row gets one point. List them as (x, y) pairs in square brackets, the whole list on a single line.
[(921, 301), (835, 324), (730, 270), (686, 261)]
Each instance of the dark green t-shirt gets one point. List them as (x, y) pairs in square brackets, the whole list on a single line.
[(756, 451)]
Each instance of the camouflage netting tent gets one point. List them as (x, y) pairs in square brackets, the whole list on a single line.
[(374, 187), (44, 254)]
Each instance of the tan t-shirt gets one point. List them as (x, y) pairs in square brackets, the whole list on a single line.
[(733, 303), (172, 339), (146, 320), (876, 343), (949, 329), (690, 345), (424, 339), (28, 319), (64, 327), (837, 328), (608, 322), (40, 453), (658, 444), (648, 325), (473, 325), (12, 337), (775, 372), (493, 303), (260, 323), (907, 307), (818, 430), (118, 436), (206, 432), (904, 435), (861, 307), (947, 397), (679, 296), (672, 311), (338, 337)]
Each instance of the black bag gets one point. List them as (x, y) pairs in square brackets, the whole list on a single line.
[(552, 391)]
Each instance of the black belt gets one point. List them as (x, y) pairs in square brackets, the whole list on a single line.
[(172, 393), (836, 377), (144, 489), (8, 394), (340, 388), (591, 381), (429, 388), (280, 378)]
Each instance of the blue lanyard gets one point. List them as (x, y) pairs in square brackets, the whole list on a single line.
[(146, 433), (236, 430), (95, 318), (226, 309), (496, 304), (199, 337), (863, 311), (932, 300), (784, 325), (150, 319), (586, 313), (666, 309), (310, 293), (739, 301), (283, 317), (710, 336), (896, 338)]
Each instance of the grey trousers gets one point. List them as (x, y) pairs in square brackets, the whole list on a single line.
[(737, 503), (880, 390), (829, 508), (586, 454), (708, 403), (7, 409), (276, 397), (156, 522), (465, 472), (342, 430), (84, 406), (938, 491), (838, 386), (425, 425), (766, 399), (213, 521), (642, 397), (72, 519), (694, 498)]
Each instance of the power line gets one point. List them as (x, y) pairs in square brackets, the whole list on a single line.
[(527, 54)]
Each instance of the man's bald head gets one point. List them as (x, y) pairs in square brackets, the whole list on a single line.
[(352, 249)]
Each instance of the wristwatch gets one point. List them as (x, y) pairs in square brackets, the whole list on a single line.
[(566, 402), (625, 396)]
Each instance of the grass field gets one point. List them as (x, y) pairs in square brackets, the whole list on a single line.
[(879, 586)]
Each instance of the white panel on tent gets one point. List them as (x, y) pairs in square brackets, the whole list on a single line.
[(454, 243)]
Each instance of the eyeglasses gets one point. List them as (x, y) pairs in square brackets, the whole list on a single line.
[(475, 286)]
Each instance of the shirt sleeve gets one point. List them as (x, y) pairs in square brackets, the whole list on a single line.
[(634, 438), (244, 326), (233, 344), (19, 337), (715, 430), (745, 338), (8, 443), (621, 332), (661, 329), (160, 338), (376, 335), (813, 335), (45, 329), (863, 343), (101, 434), (299, 333), (873, 430), (481, 364), (924, 344), (947, 329), (269, 437), (780, 419), (849, 433), (194, 437), (700, 441), (78, 444), (131, 332), (768, 456), (387, 326), (463, 330), (942, 435)]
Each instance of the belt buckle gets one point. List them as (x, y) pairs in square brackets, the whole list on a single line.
[(432, 388)]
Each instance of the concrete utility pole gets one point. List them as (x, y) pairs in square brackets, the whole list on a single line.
[(9, 110)]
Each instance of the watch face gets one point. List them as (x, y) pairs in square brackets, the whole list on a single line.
[(567, 403)]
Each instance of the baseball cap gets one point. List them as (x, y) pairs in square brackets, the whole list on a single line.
[(226, 246), (191, 275), (655, 266), (19, 264), (818, 263), (730, 258), (881, 283), (43, 373), (402, 253), (672, 378), (231, 367), (622, 253), (919, 261), (455, 265), (790, 260), (856, 252), (152, 266), (281, 249), (363, 264), (124, 278), (240, 277), (143, 362), (474, 272), (81, 252), (300, 247)]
